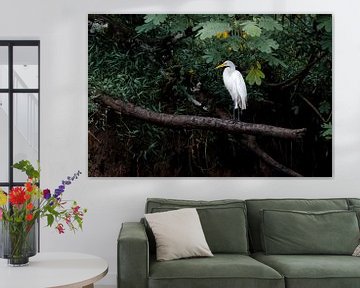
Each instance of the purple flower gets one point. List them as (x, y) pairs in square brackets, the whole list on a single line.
[(58, 192), (46, 194), (68, 181)]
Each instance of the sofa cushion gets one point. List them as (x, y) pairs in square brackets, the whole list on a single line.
[(313, 271), (223, 221), (222, 270), (254, 216), (178, 234), (356, 209), (297, 232), (353, 201)]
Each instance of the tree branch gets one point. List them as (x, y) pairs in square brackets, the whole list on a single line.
[(197, 122), (250, 143), (314, 108), (297, 77)]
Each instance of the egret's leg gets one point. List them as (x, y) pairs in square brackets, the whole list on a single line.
[(236, 114)]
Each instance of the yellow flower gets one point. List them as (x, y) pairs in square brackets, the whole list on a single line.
[(224, 35), (3, 198)]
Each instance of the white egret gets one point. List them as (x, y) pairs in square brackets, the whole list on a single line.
[(235, 84)]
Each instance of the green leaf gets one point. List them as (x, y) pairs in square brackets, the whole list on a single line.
[(326, 43), (265, 45), (144, 28), (270, 24), (212, 56), (156, 19), (325, 22), (50, 219), (208, 58), (211, 28), (180, 24), (255, 75), (324, 107), (26, 167), (326, 132), (251, 28), (234, 43), (151, 22), (273, 60)]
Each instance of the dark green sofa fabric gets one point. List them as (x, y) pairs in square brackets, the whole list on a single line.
[(255, 206), (353, 202), (223, 221), (222, 270), (294, 232), (133, 256), (136, 270), (314, 271)]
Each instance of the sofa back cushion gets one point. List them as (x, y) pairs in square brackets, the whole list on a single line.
[(353, 201), (255, 206), (223, 221), (298, 232)]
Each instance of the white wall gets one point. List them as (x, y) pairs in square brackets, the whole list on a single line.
[(62, 28)]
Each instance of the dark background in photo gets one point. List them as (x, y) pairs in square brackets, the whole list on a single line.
[(166, 64)]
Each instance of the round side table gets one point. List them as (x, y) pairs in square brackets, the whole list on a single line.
[(50, 270)]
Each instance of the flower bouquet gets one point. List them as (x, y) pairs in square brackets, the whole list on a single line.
[(21, 208)]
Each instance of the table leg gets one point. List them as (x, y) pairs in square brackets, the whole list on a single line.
[(89, 286)]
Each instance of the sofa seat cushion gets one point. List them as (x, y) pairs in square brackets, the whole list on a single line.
[(313, 271), (222, 270)]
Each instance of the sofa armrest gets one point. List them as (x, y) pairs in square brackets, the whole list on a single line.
[(133, 256)]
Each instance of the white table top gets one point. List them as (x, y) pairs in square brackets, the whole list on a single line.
[(45, 270)]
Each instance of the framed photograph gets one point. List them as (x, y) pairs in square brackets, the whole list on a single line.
[(210, 95)]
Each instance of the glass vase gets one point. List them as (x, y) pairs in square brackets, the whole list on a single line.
[(18, 242)]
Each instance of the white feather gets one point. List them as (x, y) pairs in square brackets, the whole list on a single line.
[(235, 84)]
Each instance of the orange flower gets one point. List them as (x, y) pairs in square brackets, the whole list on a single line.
[(29, 186), (29, 206), (29, 217), (27, 196)]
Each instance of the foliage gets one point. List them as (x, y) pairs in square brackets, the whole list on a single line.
[(209, 29), (159, 61), (255, 74), (26, 204), (326, 131)]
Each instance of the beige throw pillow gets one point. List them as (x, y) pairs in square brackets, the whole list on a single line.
[(357, 251), (178, 234)]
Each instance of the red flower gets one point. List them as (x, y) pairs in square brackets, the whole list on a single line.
[(29, 206), (17, 196), (75, 209), (27, 196), (68, 219), (29, 217), (60, 228)]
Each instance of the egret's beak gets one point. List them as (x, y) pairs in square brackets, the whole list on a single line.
[(219, 66)]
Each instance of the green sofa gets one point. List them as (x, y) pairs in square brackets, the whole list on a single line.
[(246, 238)]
